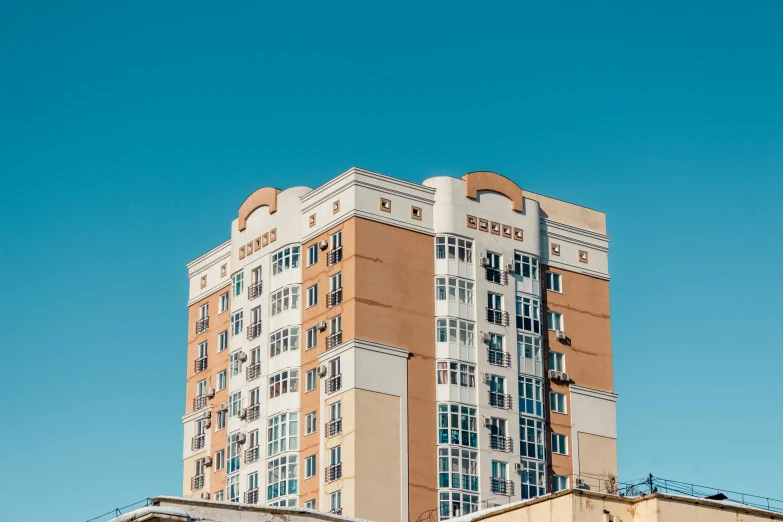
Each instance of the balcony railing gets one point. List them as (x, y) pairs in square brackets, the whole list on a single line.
[(501, 443), (335, 339), (253, 412), (200, 364), (254, 290), (333, 427), (251, 496), (253, 371), (254, 330), (496, 316), (499, 358), (202, 325), (197, 442), (501, 486), (336, 511), (334, 472), (251, 455), (199, 402), (500, 400), (196, 482), (496, 275), (333, 383), (334, 297), (334, 256)]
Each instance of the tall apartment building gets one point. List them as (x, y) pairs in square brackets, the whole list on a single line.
[(381, 348)]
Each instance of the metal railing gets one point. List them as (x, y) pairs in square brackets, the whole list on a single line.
[(335, 339), (496, 275), (200, 364), (500, 400), (333, 427), (334, 256), (118, 511), (501, 486), (199, 402), (251, 496), (495, 316), (253, 412), (197, 442), (253, 330), (333, 472), (254, 290), (501, 443), (196, 482), (333, 383), (202, 325), (499, 358), (251, 454), (334, 298), (253, 371)]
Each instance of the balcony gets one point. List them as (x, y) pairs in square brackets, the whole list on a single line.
[(253, 371), (333, 472), (499, 358), (202, 325), (501, 443), (251, 455), (253, 330), (496, 316), (254, 290), (334, 256), (501, 486), (496, 275), (333, 427), (500, 400), (335, 339), (334, 297), (253, 412), (200, 364), (196, 482), (333, 384), (251, 496), (197, 442), (199, 402)]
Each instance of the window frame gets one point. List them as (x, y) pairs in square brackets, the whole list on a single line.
[(551, 278), (311, 423), (312, 254), (560, 402), (559, 444), (312, 296), (223, 303), (555, 317)]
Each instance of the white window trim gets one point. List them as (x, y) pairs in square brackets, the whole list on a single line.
[(560, 278), (562, 321)]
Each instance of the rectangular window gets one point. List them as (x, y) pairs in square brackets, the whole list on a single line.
[(218, 496), (335, 410), (531, 438), (559, 444), (457, 374), (311, 380), (283, 341), (310, 423), (282, 433), (554, 282), (236, 323), (255, 275), (559, 483), (529, 354), (238, 283), (454, 290), (203, 311), (310, 504), (454, 330), (234, 404), (557, 361), (283, 382), (449, 247), (533, 478), (312, 338), (222, 340), (281, 477), (221, 380), (336, 240), (312, 254), (223, 302), (234, 449), (335, 324), (499, 469), (285, 259), (202, 349), (526, 266), (494, 301), (336, 501), (285, 299), (457, 468), (336, 282), (220, 460), (312, 296), (310, 470), (232, 487), (531, 396), (335, 456), (554, 320), (457, 425), (201, 388), (557, 402), (235, 363), (220, 420), (528, 314)]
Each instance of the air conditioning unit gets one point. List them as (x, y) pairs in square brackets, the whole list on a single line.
[(206, 415), (210, 392), (487, 422), (208, 461), (565, 377), (204, 495), (518, 467), (509, 267), (223, 405), (242, 356), (241, 438), (242, 413), (485, 376), (323, 244), (484, 262), (561, 336), (321, 325), (553, 374), (208, 423), (322, 370), (485, 337)]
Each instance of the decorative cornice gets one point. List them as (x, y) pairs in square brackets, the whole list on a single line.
[(209, 292), (592, 392)]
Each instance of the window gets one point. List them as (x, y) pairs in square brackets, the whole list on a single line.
[(284, 340), (528, 314), (311, 380), (335, 410), (285, 299), (255, 315), (454, 290), (526, 266), (335, 324), (232, 487), (557, 402), (201, 388), (531, 438), (494, 301), (335, 456), (203, 311), (312, 254), (554, 282), (255, 275), (255, 356), (252, 483), (235, 363), (453, 330), (232, 463), (530, 396), (238, 283), (533, 478), (557, 361), (559, 483), (336, 240), (234, 404), (202, 349), (458, 374), (310, 423), (282, 433), (499, 469), (236, 323), (336, 282), (219, 496), (255, 396), (223, 302), (220, 460), (285, 259), (283, 382), (449, 247), (529, 354), (495, 342), (310, 504), (312, 296), (221, 380), (312, 338), (554, 320), (220, 420), (336, 501), (457, 469), (494, 260), (310, 470), (453, 504), (559, 444), (457, 425), (281, 477), (222, 340)]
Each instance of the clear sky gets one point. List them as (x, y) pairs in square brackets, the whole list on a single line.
[(130, 132)]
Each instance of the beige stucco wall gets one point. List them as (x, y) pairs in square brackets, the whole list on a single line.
[(597, 457)]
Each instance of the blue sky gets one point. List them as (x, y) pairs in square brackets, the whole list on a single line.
[(131, 132)]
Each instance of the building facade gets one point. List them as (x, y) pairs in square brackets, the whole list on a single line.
[(382, 348)]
